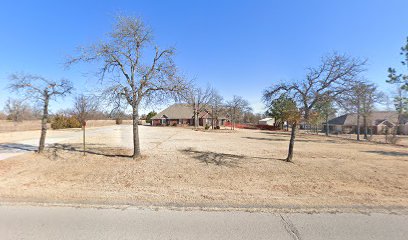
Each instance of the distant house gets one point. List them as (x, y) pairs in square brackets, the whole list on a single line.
[(183, 114), (267, 121), (379, 122)]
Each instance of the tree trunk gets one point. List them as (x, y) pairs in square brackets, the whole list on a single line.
[(365, 127), (44, 121), (400, 117), (233, 120), (197, 120), (196, 123), (212, 117), (307, 114), (83, 137), (291, 143), (327, 126), (358, 122), (136, 143)]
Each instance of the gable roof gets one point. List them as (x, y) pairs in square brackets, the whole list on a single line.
[(375, 118), (176, 111), (204, 114), (267, 119), (182, 111), (386, 123)]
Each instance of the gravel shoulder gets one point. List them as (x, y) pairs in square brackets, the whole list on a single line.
[(238, 170)]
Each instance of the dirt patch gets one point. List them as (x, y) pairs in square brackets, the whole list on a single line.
[(193, 168)]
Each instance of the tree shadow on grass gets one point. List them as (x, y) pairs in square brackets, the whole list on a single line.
[(220, 159), (279, 133), (93, 149), (287, 140), (393, 154), (268, 139)]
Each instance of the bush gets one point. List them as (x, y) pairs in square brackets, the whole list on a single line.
[(61, 122), (149, 116), (207, 126), (174, 124), (217, 127), (118, 121), (73, 122)]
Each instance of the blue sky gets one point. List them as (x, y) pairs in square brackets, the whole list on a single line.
[(239, 47)]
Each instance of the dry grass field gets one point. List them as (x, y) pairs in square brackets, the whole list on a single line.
[(10, 126), (402, 140), (240, 169)]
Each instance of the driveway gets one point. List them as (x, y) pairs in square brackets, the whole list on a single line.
[(28, 222), (17, 143)]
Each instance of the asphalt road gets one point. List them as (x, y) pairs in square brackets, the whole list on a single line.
[(29, 222)]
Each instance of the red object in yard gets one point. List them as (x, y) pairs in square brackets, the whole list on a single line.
[(249, 126)]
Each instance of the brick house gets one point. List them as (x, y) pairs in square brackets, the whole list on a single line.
[(183, 114), (379, 122)]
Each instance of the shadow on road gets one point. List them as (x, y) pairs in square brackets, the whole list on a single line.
[(16, 148)]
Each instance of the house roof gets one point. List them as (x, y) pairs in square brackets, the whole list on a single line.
[(176, 111), (266, 119), (204, 114), (387, 123), (375, 118), (182, 111)]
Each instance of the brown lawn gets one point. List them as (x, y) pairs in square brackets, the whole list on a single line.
[(242, 169)]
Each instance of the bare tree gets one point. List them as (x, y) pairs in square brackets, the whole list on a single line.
[(351, 100), (199, 99), (361, 100), (326, 109), (3, 116), (84, 106), (216, 103), (122, 57), (293, 115), (370, 96), (41, 90), (16, 110), (237, 106), (332, 78), (251, 118)]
